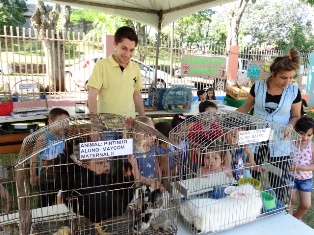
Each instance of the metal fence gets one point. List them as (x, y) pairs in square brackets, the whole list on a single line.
[(22, 60)]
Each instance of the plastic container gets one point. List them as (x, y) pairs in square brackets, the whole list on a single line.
[(6, 108), (252, 181), (155, 96), (178, 99), (269, 201), (220, 97), (233, 102)]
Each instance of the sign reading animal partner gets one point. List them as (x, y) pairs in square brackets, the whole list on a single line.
[(202, 66), (108, 148), (253, 136)]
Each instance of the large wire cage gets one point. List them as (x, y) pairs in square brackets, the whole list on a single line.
[(236, 169), (97, 184)]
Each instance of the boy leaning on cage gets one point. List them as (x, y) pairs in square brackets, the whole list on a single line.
[(302, 168), (90, 189), (42, 163)]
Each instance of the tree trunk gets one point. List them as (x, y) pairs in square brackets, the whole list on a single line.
[(44, 21), (140, 30), (233, 14)]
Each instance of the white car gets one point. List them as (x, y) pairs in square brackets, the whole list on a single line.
[(81, 71), (6, 68), (148, 76)]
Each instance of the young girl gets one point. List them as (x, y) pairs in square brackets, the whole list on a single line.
[(145, 164), (214, 162), (302, 167), (211, 94), (184, 144), (215, 168), (203, 132)]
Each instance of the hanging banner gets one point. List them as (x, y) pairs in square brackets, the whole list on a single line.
[(258, 70), (202, 66)]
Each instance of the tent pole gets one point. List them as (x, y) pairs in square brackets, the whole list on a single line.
[(157, 48), (171, 51)]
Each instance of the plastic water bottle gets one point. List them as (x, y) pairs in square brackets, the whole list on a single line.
[(270, 190)]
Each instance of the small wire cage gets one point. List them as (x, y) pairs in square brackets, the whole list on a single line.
[(8, 197), (98, 174), (236, 170)]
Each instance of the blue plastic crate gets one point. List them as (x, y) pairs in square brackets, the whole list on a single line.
[(155, 96), (178, 99)]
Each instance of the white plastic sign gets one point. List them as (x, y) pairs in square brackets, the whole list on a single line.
[(254, 136), (108, 148), (28, 86)]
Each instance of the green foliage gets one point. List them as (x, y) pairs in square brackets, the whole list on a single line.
[(102, 23), (12, 13), (311, 2), (278, 23), (78, 15), (70, 47), (297, 37), (195, 27)]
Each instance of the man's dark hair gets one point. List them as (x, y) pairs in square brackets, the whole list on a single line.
[(125, 32)]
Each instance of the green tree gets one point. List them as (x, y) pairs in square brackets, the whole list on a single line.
[(297, 37), (218, 31), (102, 23), (233, 14), (45, 21), (283, 23), (12, 13), (107, 24), (311, 2), (194, 28)]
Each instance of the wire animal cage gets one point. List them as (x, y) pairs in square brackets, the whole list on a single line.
[(237, 170), (8, 197), (97, 183)]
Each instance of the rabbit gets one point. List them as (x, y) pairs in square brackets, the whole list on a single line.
[(243, 205)]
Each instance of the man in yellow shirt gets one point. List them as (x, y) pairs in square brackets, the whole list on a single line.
[(117, 80)]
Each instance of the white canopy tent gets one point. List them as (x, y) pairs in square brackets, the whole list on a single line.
[(156, 13)]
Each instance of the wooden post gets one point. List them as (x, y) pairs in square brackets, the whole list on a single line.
[(107, 43), (233, 63)]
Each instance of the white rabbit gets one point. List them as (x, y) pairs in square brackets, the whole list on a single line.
[(209, 215)]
